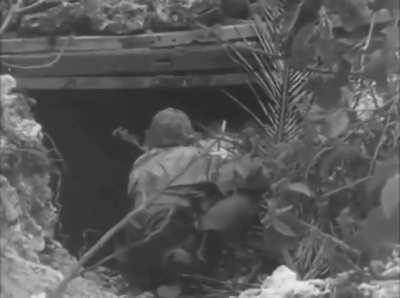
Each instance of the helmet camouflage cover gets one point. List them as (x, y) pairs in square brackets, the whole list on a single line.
[(169, 127)]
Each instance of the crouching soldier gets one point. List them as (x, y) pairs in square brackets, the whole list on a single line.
[(175, 183)]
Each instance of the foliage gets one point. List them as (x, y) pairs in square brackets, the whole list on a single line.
[(325, 75), (57, 17), (327, 126)]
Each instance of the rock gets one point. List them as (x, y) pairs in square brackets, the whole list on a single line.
[(23, 278), (119, 17), (27, 213), (10, 210), (181, 14), (283, 283), (65, 18)]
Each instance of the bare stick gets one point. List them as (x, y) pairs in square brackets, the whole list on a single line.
[(244, 107), (11, 13), (344, 187), (99, 244), (330, 238), (367, 41), (380, 143), (134, 244)]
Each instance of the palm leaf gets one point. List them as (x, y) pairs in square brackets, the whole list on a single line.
[(275, 86)]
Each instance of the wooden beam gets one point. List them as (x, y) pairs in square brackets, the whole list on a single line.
[(210, 58), (154, 82), (149, 40)]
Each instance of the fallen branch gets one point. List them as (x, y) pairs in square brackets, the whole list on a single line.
[(58, 291), (134, 244)]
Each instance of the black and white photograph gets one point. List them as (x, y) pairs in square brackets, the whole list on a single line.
[(199, 149)]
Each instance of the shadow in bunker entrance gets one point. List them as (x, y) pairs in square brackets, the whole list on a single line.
[(97, 165)]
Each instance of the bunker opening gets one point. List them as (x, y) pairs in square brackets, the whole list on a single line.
[(96, 165)]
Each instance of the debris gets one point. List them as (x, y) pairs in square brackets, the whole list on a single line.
[(283, 283)]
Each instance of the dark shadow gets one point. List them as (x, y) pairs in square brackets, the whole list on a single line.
[(96, 164)]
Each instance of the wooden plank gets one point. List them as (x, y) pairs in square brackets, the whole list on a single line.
[(150, 40), (122, 62), (154, 82)]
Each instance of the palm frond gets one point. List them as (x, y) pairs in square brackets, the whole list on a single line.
[(275, 86)]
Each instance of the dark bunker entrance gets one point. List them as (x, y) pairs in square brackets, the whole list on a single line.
[(96, 164)]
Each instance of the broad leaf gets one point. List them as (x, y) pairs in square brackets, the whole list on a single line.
[(302, 50), (390, 5), (352, 13), (379, 232), (331, 51), (337, 123), (376, 67), (300, 188), (229, 214), (383, 171), (282, 228), (235, 174), (334, 122), (326, 91), (390, 196)]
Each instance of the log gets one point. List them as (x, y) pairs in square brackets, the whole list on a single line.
[(153, 82), (192, 59), (149, 40)]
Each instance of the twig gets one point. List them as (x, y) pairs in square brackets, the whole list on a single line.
[(331, 238), (48, 64), (134, 244), (54, 148), (244, 107), (284, 103), (354, 74), (99, 244), (263, 52), (33, 6), (312, 163), (344, 187), (58, 291), (380, 143), (13, 9), (367, 41)]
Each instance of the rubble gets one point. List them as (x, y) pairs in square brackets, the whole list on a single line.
[(116, 17), (283, 283), (31, 263)]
